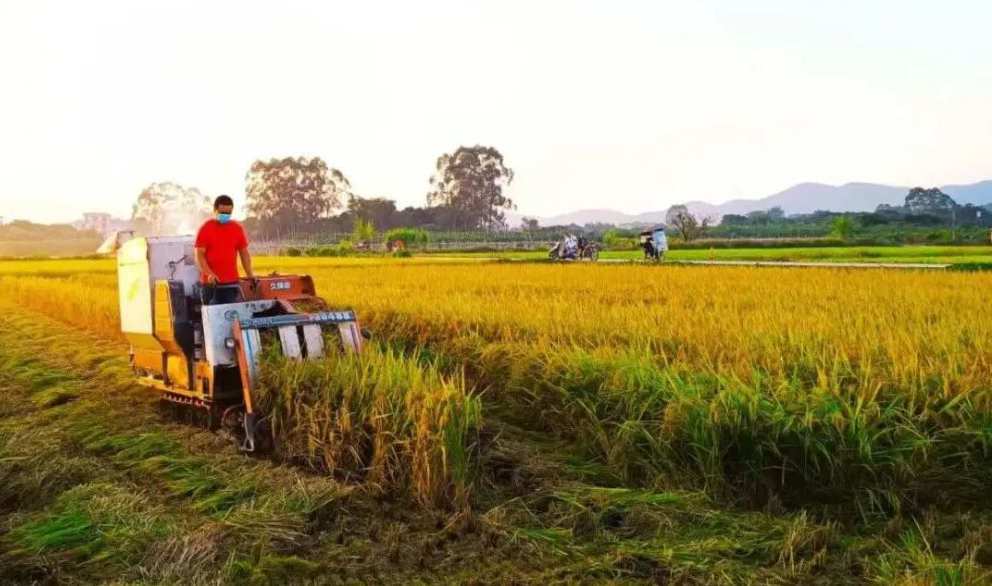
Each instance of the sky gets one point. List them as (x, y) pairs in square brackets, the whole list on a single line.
[(632, 106)]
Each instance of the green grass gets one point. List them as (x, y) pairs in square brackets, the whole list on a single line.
[(98, 486), (881, 254), (887, 254), (99, 523)]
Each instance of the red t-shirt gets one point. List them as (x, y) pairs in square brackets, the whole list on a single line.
[(222, 241)]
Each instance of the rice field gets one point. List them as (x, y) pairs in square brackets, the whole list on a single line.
[(852, 408)]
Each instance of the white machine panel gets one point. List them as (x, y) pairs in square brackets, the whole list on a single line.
[(173, 258), (141, 262), (218, 327), (134, 288)]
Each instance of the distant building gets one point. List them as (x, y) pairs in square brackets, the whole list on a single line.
[(99, 222), (102, 223), (106, 225)]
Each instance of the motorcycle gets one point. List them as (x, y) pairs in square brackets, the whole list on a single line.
[(559, 251), (653, 253)]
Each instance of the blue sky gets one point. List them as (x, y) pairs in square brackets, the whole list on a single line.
[(628, 105)]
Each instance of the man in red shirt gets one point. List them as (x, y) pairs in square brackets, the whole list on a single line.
[(219, 243)]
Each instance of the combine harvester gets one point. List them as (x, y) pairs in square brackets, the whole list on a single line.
[(207, 356)]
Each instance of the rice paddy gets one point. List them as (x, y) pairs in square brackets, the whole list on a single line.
[(696, 425)]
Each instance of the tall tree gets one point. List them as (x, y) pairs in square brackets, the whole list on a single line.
[(169, 208), (362, 232), (733, 220), (972, 215), (469, 184), (530, 224), (933, 202), (378, 210), (688, 225), (292, 194), (842, 227), (776, 214)]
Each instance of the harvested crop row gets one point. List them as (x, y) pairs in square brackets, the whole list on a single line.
[(95, 487)]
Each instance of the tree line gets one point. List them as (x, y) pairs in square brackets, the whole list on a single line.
[(921, 209), (302, 195)]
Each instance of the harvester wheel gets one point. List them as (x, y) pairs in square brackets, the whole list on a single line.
[(233, 417), (251, 433)]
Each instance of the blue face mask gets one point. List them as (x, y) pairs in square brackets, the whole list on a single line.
[(223, 218)]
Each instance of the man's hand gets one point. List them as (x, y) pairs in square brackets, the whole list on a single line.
[(246, 263), (201, 263)]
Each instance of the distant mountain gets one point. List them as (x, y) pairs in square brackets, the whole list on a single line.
[(810, 197), (977, 193), (583, 217), (803, 198)]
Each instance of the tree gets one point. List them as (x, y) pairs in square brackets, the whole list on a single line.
[(423, 217), (972, 215), (872, 219), (688, 226), (763, 217), (733, 220), (169, 208), (530, 224), (377, 210), (363, 231), (292, 194), (817, 217), (932, 202), (409, 236), (469, 185), (841, 227), (758, 218)]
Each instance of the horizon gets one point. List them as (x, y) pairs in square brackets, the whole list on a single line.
[(621, 106), (561, 213)]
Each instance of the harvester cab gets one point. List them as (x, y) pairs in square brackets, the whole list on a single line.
[(208, 356)]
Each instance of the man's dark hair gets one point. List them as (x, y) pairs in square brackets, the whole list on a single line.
[(223, 200)]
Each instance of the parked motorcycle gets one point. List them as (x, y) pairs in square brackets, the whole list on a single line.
[(559, 251), (589, 252), (655, 244)]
